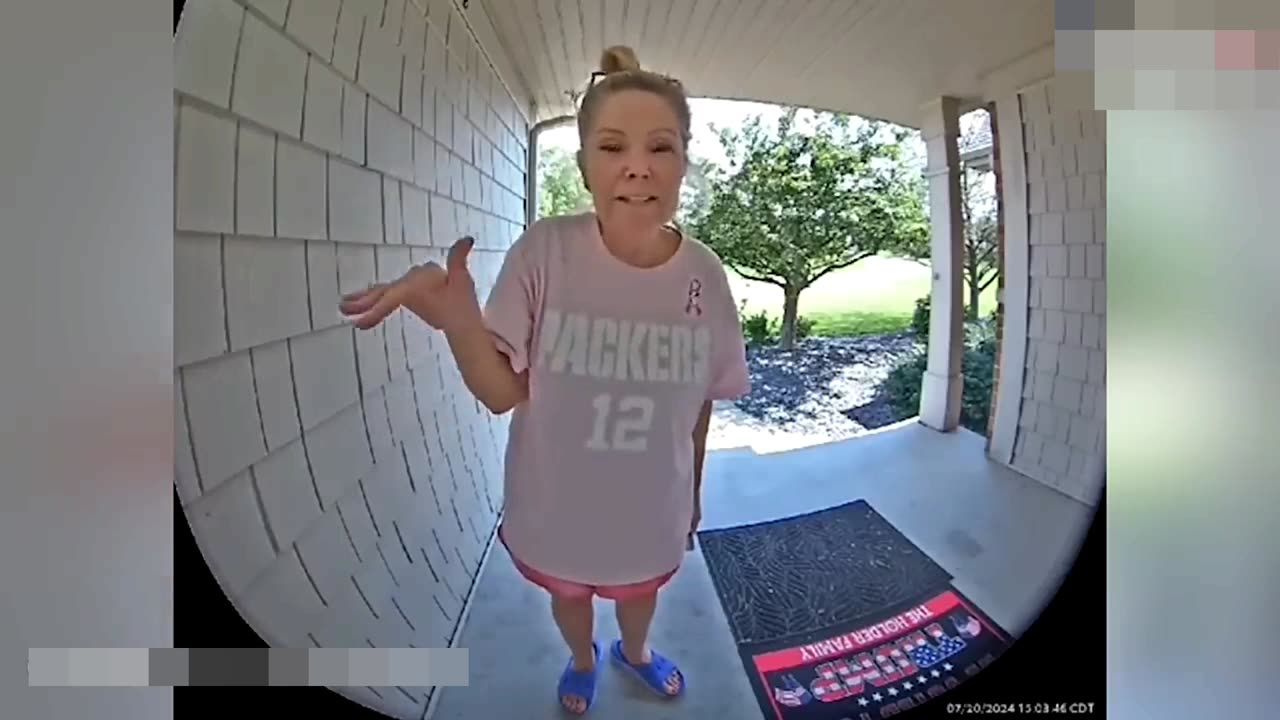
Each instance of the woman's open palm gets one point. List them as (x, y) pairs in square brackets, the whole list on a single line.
[(445, 298)]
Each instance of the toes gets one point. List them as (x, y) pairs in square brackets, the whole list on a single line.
[(573, 703), (673, 683)]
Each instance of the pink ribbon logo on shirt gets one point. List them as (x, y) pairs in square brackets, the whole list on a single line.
[(694, 305)]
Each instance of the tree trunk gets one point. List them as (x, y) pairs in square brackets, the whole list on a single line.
[(974, 294), (790, 310)]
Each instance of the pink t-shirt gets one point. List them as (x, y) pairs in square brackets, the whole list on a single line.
[(599, 463)]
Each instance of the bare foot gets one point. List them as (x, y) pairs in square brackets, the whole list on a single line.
[(577, 704), (672, 685)]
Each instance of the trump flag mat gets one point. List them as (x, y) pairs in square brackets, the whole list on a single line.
[(877, 667)]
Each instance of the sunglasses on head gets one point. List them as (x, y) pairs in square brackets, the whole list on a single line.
[(595, 76)]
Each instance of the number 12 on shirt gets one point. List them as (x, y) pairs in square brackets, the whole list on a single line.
[(623, 425)]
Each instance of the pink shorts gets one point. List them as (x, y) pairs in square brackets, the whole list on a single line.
[(569, 590)]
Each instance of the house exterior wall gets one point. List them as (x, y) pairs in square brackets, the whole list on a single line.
[(343, 485), (1061, 421)]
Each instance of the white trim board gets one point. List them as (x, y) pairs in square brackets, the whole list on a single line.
[(1017, 267), (1026, 72)]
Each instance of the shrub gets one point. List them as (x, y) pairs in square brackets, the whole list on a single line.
[(756, 327), (902, 385), (920, 319), (975, 402), (760, 329), (804, 327)]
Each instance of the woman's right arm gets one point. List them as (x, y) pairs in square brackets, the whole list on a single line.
[(492, 347), (485, 369)]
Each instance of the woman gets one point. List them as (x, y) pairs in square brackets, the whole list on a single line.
[(609, 334)]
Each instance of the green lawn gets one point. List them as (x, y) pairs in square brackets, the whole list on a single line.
[(875, 295)]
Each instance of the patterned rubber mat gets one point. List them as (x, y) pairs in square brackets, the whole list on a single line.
[(810, 572)]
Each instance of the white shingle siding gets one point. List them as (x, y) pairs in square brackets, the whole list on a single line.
[(355, 203), (322, 278), (375, 408), (266, 285), (301, 186), (274, 10), (232, 532), (197, 298), (255, 179), (1063, 406), (354, 113), (392, 215), (284, 484), (322, 113), (205, 49), (324, 373), (312, 160), (281, 602), (222, 414), (315, 28), (414, 216), (186, 476), (346, 39), (206, 172), (270, 80), (390, 136), (277, 396)]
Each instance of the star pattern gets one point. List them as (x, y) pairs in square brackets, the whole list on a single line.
[(931, 671), (907, 686), (930, 655)]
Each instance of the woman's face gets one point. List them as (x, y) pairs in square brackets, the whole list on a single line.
[(633, 160)]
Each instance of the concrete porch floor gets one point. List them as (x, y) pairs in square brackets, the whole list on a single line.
[(1006, 539)]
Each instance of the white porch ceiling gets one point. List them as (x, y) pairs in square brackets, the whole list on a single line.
[(876, 58)]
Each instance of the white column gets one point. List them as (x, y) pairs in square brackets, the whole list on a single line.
[(943, 382)]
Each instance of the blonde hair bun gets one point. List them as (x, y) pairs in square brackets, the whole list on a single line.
[(618, 58)]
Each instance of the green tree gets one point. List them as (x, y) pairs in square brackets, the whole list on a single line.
[(560, 188), (797, 204), (980, 268), (978, 215)]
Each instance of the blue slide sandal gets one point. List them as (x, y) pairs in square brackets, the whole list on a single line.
[(653, 674), (578, 683)]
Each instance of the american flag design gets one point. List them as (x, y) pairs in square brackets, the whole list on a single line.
[(967, 625), (792, 694), (891, 676), (930, 655)]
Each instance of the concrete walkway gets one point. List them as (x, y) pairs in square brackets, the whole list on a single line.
[(1006, 539)]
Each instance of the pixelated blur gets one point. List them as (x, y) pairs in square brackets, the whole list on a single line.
[(86, 285), (1192, 409)]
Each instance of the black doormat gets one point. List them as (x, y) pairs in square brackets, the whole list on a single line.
[(894, 660), (807, 573)]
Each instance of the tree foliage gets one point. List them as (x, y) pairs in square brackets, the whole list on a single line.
[(560, 188), (978, 211), (980, 248), (798, 203)]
